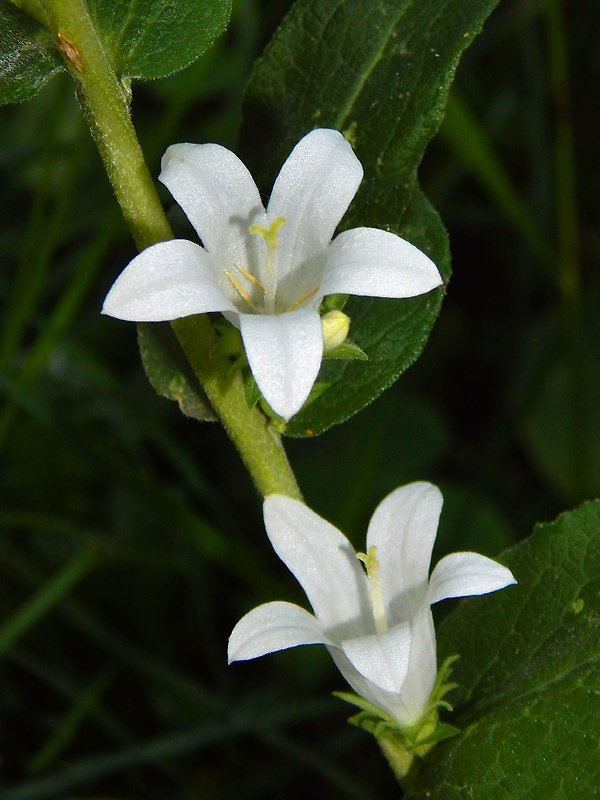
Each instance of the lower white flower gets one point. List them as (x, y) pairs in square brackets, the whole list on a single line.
[(376, 624), (268, 270)]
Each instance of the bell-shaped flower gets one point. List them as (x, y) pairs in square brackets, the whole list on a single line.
[(376, 623), (268, 271)]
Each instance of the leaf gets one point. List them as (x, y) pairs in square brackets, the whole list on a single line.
[(28, 56), (169, 371), (154, 38), (529, 700), (380, 73)]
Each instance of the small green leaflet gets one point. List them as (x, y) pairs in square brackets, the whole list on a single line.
[(154, 38), (144, 38), (28, 55), (169, 371)]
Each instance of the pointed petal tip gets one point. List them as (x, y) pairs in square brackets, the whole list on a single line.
[(113, 306), (510, 578)]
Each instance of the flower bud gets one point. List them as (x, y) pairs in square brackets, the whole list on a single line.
[(336, 325)]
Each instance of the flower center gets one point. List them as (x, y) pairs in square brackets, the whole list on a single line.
[(372, 566), (270, 287), (270, 236)]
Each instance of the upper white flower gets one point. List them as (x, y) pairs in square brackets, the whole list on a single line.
[(377, 627), (268, 271)]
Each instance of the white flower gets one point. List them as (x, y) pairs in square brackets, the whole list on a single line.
[(268, 271), (377, 627)]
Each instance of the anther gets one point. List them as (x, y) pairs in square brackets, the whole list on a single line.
[(238, 286), (250, 277), (302, 299)]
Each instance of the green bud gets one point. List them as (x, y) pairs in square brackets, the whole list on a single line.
[(336, 325)]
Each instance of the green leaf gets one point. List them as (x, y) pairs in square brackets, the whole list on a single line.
[(144, 39), (528, 705), (380, 73), (169, 372), (154, 38), (28, 55)]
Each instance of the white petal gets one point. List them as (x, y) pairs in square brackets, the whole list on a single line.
[(376, 263), (382, 658), (284, 353), (463, 574), (388, 701), (313, 191), (324, 563), (422, 666), (219, 197), (403, 528), (166, 281), (271, 627)]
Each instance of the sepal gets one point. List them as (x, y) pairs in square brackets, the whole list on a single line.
[(251, 390), (406, 745), (333, 302), (229, 343), (347, 350)]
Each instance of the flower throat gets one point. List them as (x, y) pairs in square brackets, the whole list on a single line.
[(270, 236)]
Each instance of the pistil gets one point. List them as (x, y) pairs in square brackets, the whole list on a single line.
[(270, 236), (372, 566)]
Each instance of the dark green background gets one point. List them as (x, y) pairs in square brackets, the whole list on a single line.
[(139, 530)]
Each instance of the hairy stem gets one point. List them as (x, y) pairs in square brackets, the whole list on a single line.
[(105, 100)]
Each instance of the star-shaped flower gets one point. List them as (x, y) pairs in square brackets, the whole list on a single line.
[(268, 271), (377, 625)]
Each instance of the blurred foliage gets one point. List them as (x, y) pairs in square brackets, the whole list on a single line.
[(131, 538)]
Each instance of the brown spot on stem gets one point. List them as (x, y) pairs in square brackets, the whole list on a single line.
[(70, 52)]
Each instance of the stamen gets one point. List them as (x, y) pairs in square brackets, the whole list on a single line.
[(372, 566), (238, 286), (250, 277), (302, 299), (269, 234)]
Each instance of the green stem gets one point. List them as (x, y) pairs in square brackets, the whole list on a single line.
[(105, 100)]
